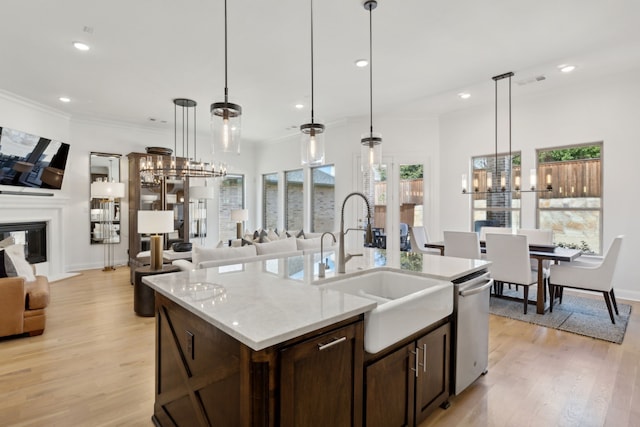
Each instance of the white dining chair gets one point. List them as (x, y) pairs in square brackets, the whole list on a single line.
[(509, 256), (588, 276), (494, 230), (462, 244), (418, 237), (539, 236)]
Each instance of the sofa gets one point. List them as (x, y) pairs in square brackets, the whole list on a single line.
[(214, 257), (24, 296)]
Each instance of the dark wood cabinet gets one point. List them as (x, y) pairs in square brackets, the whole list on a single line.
[(205, 377), (407, 383), (321, 380), (155, 194)]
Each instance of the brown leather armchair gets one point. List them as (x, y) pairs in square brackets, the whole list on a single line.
[(22, 305)]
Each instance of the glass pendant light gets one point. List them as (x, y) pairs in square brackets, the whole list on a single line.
[(371, 150), (225, 116), (312, 153)]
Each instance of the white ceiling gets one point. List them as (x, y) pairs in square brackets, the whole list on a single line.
[(144, 53)]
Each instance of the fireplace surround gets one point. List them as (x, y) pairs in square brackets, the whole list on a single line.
[(49, 210)]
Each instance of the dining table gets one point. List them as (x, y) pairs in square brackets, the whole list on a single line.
[(538, 252)]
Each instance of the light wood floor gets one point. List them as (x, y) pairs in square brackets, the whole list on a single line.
[(94, 366)]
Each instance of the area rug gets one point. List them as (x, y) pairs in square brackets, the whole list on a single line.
[(577, 314)]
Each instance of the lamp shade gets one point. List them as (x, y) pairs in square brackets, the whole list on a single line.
[(107, 190), (201, 192), (239, 215), (150, 222)]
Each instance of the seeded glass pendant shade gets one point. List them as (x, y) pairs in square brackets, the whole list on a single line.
[(225, 116), (371, 150), (312, 146)]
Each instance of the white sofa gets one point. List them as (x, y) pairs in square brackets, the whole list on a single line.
[(215, 257)]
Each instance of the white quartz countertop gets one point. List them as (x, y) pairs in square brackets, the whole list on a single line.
[(268, 302)]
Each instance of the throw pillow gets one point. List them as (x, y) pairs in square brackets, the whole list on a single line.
[(272, 235), (7, 242), (19, 265)]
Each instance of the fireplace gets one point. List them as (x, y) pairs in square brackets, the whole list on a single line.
[(33, 235)]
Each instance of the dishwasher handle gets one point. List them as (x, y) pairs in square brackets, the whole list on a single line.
[(476, 289)]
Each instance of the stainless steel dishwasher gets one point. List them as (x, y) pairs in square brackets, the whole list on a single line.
[(470, 338)]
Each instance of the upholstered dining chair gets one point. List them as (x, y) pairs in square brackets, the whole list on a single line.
[(494, 230), (588, 276), (509, 256), (462, 244), (419, 237), (539, 236)]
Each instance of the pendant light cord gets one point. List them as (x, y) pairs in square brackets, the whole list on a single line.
[(226, 90), (312, 105), (370, 73)]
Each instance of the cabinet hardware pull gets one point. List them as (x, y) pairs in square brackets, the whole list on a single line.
[(424, 357), (331, 344), (417, 354)]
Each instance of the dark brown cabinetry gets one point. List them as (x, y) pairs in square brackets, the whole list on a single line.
[(205, 377), (321, 380), (407, 383)]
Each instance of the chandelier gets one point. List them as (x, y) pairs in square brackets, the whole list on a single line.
[(165, 164), (507, 180)]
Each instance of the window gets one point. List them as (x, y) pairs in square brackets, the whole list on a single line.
[(231, 197), (573, 207), (411, 194), (294, 199), (323, 198), (270, 201), (490, 203)]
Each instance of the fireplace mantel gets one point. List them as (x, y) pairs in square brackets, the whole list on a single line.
[(27, 208)]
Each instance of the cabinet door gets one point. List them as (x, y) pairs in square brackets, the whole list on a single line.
[(321, 380), (432, 383), (389, 389)]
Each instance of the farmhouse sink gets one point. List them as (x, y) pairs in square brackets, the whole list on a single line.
[(406, 304)]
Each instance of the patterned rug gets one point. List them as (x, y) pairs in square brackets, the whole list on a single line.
[(577, 314)]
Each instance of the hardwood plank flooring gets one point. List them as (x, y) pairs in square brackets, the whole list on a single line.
[(94, 366)]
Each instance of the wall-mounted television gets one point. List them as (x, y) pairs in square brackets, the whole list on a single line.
[(28, 160)]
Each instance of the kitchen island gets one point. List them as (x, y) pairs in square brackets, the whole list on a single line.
[(260, 344)]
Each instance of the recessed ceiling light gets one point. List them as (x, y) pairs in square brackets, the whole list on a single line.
[(464, 95), (81, 46), (566, 68), (361, 63), (299, 106), (64, 99)]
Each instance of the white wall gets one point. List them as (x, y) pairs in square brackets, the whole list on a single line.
[(602, 110)]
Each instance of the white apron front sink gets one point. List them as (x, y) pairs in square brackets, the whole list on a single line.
[(406, 302)]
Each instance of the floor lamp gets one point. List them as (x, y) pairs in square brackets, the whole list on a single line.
[(239, 215), (155, 223), (107, 192)]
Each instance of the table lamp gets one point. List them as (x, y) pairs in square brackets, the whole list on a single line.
[(239, 215), (107, 192), (155, 223)]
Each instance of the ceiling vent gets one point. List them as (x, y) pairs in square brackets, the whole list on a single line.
[(531, 80)]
